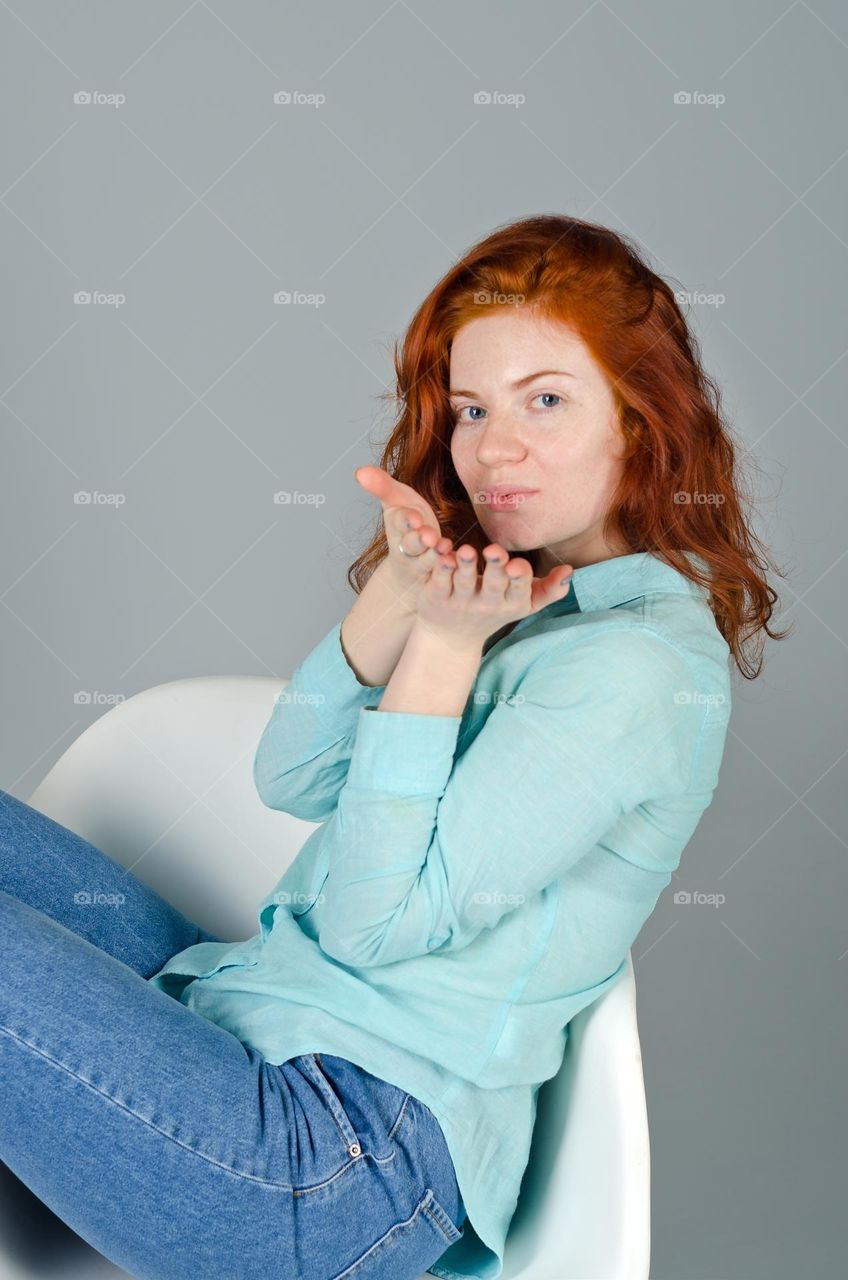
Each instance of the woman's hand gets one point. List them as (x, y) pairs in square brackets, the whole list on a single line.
[(467, 609), (407, 520)]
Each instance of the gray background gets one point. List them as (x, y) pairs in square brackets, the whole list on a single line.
[(199, 398)]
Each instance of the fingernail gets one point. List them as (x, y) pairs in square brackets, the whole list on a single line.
[(565, 580)]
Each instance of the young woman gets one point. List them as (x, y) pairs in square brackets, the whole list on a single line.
[(505, 761)]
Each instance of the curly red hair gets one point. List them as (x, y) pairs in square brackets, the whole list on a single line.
[(676, 439)]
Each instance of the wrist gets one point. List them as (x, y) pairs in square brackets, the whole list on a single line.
[(451, 647), (400, 594), (435, 674)]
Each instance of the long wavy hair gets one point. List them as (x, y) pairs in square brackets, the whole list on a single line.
[(681, 489)]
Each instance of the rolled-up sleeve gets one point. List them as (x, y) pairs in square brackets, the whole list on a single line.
[(302, 758), (426, 850)]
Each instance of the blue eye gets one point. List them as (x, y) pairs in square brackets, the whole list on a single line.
[(457, 412), (551, 395)]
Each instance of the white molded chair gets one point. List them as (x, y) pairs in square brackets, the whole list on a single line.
[(163, 784)]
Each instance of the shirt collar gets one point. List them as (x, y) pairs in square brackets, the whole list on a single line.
[(613, 582)]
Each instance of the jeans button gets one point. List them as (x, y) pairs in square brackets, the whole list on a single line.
[(354, 1149)]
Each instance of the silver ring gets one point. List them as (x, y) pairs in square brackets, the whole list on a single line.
[(406, 553)]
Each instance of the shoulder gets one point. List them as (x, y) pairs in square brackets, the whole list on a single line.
[(618, 650), (665, 643), (618, 698)]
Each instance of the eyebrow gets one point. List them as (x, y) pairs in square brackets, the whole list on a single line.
[(522, 382)]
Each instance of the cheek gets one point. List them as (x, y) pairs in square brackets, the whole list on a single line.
[(587, 453), (461, 455), (582, 478)]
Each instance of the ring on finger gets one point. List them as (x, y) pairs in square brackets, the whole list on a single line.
[(410, 555)]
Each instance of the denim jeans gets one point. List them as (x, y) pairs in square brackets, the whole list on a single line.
[(172, 1148)]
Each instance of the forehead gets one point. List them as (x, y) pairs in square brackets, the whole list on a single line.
[(512, 342), (515, 334)]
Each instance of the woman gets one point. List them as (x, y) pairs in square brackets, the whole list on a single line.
[(505, 767)]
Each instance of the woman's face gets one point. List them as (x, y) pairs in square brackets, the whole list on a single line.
[(553, 432)]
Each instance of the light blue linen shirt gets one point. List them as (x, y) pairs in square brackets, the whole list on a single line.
[(476, 880)]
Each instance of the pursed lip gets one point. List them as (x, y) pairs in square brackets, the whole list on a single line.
[(502, 490)]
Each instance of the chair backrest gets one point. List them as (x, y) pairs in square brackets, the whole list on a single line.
[(163, 784)]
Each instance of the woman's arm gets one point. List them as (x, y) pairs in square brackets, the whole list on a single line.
[(432, 676), (376, 628), (302, 758), (424, 852)]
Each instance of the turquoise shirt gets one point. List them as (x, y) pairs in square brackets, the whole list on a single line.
[(477, 879)]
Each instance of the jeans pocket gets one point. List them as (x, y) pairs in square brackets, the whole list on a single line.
[(440, 1218), (368, 1109), (313, 1067), (409, 1247)]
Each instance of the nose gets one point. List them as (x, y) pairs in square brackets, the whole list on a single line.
[(499, 442)]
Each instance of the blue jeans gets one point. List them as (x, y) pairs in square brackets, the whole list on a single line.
[(171, 1147)]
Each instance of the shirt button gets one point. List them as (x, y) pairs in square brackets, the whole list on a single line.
[(354, 1149)]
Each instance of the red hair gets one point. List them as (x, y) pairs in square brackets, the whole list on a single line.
[(676, 440)]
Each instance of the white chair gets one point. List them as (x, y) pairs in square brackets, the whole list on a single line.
[(163, 784)]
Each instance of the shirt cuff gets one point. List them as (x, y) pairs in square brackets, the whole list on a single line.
[(327, 675), (403, 752)]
